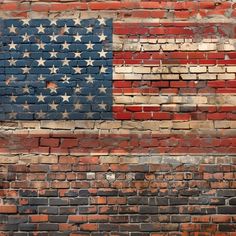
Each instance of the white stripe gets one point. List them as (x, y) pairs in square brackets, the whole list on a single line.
[(157, 100), (121, 43), (159, 73)]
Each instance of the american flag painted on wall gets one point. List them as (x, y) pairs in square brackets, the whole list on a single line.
[(63, 69)]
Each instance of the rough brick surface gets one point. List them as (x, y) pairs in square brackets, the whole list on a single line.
[(165, 164)]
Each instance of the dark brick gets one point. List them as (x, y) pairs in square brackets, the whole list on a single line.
[(27, 227), (139, 168), (139, 234), (4, 219), (48, 227), (78, 201), (158, 201), (58, 202), (108, 192), (139, 176), (48, 193), (227, 228), (227, 210), (14, 219), (28, 193), (38, 201), (130, 227), (160, 218), (137, 200), (151, 227), (8, 227), (217, 201), (108, 227), (198, 201), (168, 210), (189, 192), (226, 193), (148, 209), (180, 218), (178, 201), (232, 201), (170, 227), (27, 209), (87, 210), (84, 193), (72, 193), (58, 219), (139, 218), (48, 210)]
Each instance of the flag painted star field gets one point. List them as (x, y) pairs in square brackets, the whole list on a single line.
[(55, 69)]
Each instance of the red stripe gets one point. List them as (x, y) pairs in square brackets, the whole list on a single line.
[(173, 87), (186, 113), (123, 143), (211, 58), (186, 30)]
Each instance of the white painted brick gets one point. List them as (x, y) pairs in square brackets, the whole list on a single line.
[(179, 69), (226, 76), (198, 69), (141, 70), (170, 76), (123, 69), (231, 69), (207, 47), (207, 76), (216, 69), (151, 47)]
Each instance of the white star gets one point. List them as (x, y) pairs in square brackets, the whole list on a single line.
[(89, 62), (66, 29), (41, 78), (53, 37), (102, 37), (53, 89), (77, 37), (89, 115), (53, 21), (12, 115), (65, 115), (26, 54), (53, 54), (26, 70), (102, 89), (89, 45), (102, 106), (90, 97), (41, 62), (53, 106), (41, 29), (65, 45), (13, 98), (77, 54), (25, 106), (40, 115), (89, 29), (12, 45), (53, 70), (41, 98), (25, 21), (65, 79), (102, 53), (26, 89), (65, 62), (102, 21), (77, 106), (78, 89), (89, 79), (77, 21), (12, 29), (41, 45), (26, 37), (77, 70), (103, 69), (12, 62), (65, 98)]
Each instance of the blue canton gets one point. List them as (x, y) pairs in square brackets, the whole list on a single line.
[(55, 69)]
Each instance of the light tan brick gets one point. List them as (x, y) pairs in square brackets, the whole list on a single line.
[(226, 76), (141, 70), (198, 69)]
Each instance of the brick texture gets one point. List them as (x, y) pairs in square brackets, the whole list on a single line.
[(165, 164)]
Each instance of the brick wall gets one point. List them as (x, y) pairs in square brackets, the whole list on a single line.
[(166, 164)]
